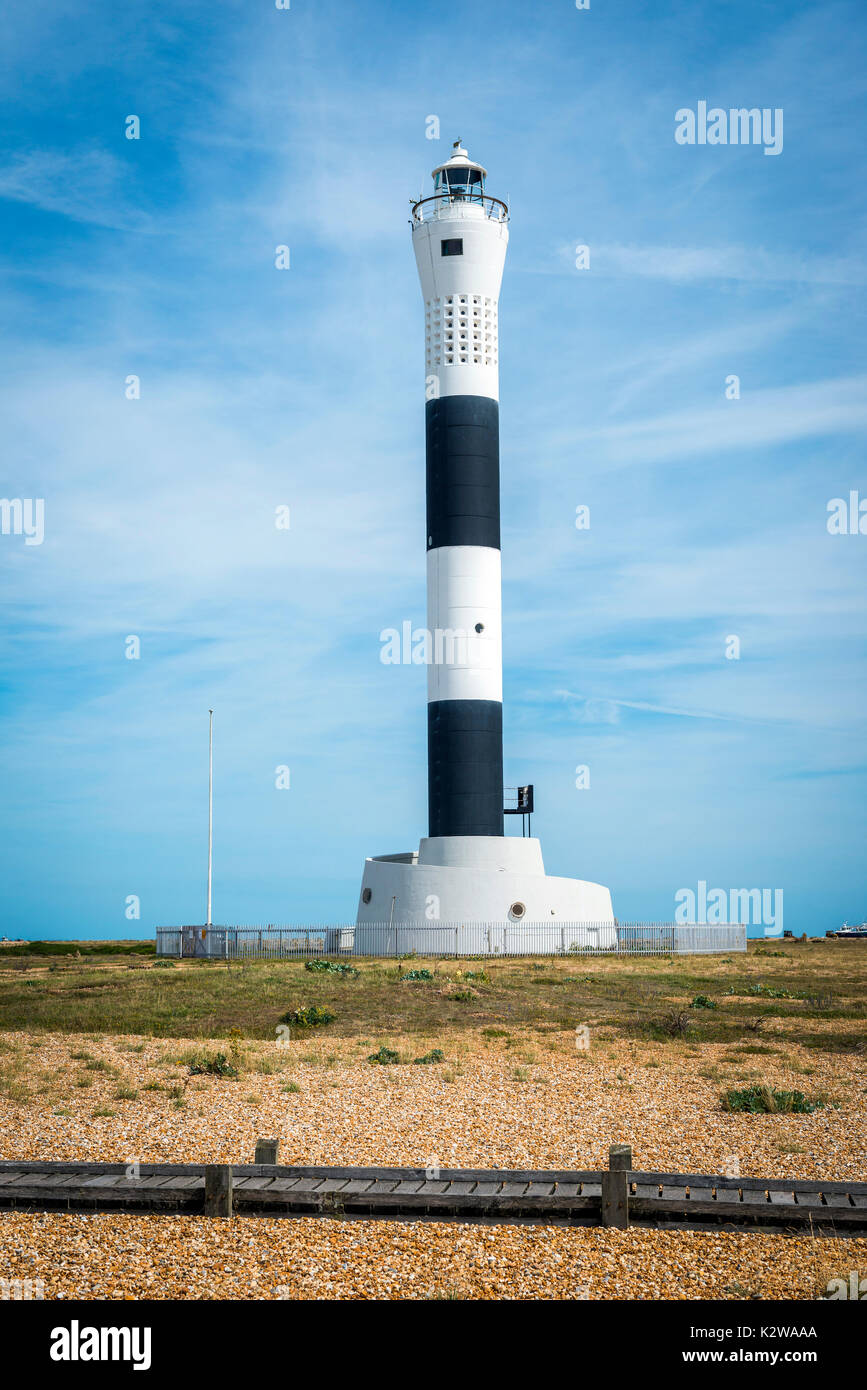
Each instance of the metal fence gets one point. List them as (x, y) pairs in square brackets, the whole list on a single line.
[(452, 939)]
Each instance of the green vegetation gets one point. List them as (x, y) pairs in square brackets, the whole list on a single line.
[(701, 1001), (385, 1057), (330, 967), (758, 1100), (40, 949), (213, 1066), (413, 975), (313, 1016), (435, 1055)]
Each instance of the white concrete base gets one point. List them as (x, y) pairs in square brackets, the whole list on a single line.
[(495, 880)]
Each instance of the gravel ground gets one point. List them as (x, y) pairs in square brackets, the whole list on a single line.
[(534, 1104), (532, 1101), (189, 1257)]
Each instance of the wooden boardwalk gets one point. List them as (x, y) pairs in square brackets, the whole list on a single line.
[(614, 1197)]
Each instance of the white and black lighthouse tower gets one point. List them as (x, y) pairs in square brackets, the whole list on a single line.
[(467, 870), (460, 236)]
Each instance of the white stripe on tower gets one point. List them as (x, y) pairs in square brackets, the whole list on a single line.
[(460, 237)]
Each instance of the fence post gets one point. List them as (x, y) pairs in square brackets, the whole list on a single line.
[(615, 1187), (218, 1189), (266, 1150)]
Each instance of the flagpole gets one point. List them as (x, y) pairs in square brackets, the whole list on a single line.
[(210, 807)]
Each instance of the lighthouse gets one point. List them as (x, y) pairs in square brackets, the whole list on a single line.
[(459, 236), (467, 870)]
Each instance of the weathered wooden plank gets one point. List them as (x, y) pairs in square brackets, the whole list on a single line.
[(762, 1184), (307, 1185), (218, 1190), (814, 1184), (615, 1199), (812, 1198), (753, 1197), (751, 1216), (646, 1189), (375, 1174), (46, 1181), (267, 1150), (468, 1194), (162, 1183), (70, 1167), (494, 1204)]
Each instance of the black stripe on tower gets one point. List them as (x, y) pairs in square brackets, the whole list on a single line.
[(465, 767), (463, 471)]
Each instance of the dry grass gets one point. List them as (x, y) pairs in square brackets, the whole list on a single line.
[(825, 984)]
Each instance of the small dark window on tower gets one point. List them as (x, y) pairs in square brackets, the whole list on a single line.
[(453, 246)]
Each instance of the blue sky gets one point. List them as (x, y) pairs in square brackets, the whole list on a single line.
[(260, 388)]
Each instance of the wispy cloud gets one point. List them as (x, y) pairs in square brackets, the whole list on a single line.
[(87, 186), (692, 264), (769, 417)]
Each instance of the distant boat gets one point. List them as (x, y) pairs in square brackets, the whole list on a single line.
[(848, 933)]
